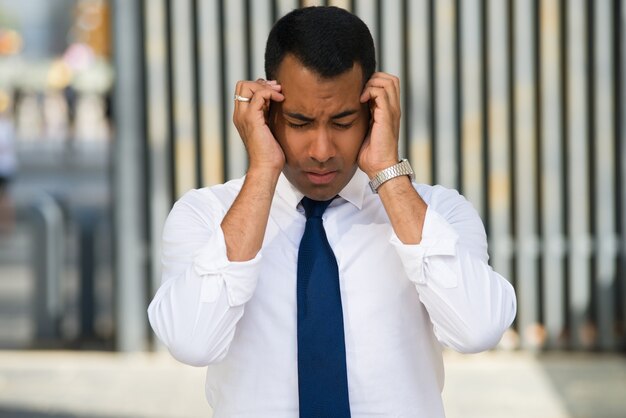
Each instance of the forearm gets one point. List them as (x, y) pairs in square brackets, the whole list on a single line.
[(405, 208), (245, 222), (468, 303)]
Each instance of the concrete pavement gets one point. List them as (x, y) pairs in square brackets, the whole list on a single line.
[(64, 384)]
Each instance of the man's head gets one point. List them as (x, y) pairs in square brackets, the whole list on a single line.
[(327, 40), (322, 57)]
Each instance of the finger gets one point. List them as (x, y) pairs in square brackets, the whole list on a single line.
[(384, 80), (263, 81), (386, 76), (247, 115), (379, 98), (248, 89), (262, 98), (390, 84), (386, 97), (259, 104)]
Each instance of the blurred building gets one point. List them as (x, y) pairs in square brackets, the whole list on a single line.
[(55, 67)]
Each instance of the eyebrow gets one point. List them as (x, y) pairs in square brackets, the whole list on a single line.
[(304, 118)]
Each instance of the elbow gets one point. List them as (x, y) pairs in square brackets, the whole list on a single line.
[(479, 341), (482, 334), (192, 350), (193, 354), (484, 329), (184, 344)]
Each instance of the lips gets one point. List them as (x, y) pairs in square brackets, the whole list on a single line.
[(321, 178)]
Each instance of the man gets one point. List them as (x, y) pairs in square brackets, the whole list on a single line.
[(353, 324)]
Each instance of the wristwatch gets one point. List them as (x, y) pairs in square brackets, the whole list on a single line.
[(403, 168)]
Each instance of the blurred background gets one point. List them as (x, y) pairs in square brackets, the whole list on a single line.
[(111, 110)]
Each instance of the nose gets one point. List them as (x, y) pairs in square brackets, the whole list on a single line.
[(322, 147)]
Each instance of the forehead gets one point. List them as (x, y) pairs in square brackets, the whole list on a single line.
[(308, 93)]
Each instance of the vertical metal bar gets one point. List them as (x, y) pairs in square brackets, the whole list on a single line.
[(539, 334), (261, 25), (605, 172), (459, 93), (418, 110), (344, 4), (211, 112), (285, 6), (247, 28), (432, 89), (446, 151), (225, 90), (127, 179), (196, 82), (484, 117), (471, 116), (552, 209), (621, 80), (578, 175), (525, 150), (392, 37), (87, 220), (236, 64), (500, 182), (169, 77), (366, 10), (564, 195), (182, 100), (159, 151), (48, 262)]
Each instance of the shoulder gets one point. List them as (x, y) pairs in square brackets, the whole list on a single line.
[(205, 204), (442, 199), (458, 212), (218, 195)]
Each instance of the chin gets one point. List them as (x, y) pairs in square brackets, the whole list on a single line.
[(318, 192)]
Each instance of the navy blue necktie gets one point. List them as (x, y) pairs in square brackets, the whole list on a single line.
[(322, 376)]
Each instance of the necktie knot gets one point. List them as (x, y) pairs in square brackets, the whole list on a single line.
[(314, 208)]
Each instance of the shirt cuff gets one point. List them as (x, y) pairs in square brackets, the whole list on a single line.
[(239, 278), (438, 239)]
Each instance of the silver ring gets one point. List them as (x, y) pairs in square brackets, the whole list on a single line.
[(239, 98)]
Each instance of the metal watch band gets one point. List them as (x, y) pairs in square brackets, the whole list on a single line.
[(403, 168)]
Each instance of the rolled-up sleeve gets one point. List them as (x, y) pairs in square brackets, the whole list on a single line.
[(237, 279), (202, 295), (469, 304)]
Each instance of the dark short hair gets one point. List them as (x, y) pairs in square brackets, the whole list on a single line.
[(326, 40)]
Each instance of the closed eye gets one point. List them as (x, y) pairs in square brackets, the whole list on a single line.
[(343, 125), (297, 125)]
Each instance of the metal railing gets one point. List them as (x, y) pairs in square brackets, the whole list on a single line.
[(519, 104)]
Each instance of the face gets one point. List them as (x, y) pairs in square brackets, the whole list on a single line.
[(320, 126)]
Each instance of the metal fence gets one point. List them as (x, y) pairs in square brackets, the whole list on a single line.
[(519, 104)]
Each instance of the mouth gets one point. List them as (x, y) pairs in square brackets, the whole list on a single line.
[(321, 178)]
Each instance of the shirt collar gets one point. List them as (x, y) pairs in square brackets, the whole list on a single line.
[(353, 192)]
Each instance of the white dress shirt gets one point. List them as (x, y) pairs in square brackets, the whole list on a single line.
[(401, 303)]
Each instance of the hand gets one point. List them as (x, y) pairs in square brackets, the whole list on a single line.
[(250, 119), (380, 148)]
